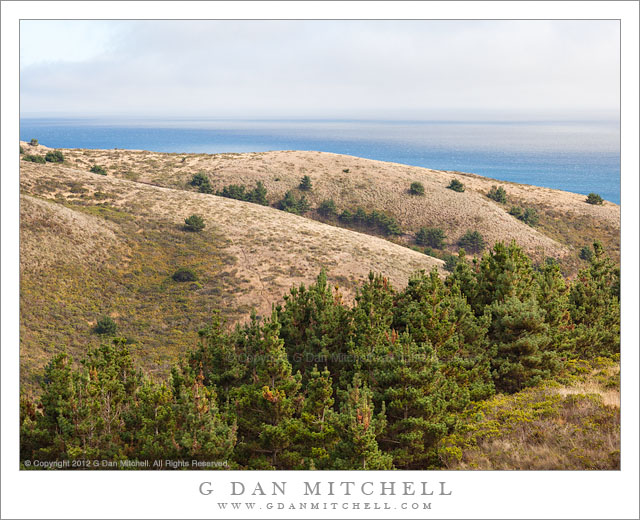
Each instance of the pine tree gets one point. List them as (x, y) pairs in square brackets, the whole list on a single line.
[(267, 405), (358, 426), (315, 326), (524, 354), (594, 304)]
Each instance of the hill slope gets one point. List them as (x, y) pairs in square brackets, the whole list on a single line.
[(94, 245), (566, 222)]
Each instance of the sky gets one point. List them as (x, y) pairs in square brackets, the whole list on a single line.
[(320, 69)]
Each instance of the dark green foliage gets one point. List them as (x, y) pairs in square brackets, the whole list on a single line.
[(432, 237), (416, 188), (594, 198), (516, 211), (594, 304), (106, 325), (201, 181), (21, 150), (524, 355), (194, 223), (258, 195), (327, 208), (586, 253), (374, 221), (527, 215), (498, 194), (54, 156), (305, 183), (184, 274), (471, 241), (322, 384), (456, 185), (98, 169), (530, 217), (34, 158), (346, 170), (358, 426), (450, 262), (293, 204), (33, 142)]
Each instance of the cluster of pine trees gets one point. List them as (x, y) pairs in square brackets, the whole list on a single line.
[(321, 384)]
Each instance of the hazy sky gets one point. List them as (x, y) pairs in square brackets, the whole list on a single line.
[(320, 69)]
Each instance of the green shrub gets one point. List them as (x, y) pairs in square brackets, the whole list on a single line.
[(98, 169), (194, 223), (586, 253), (184, 274), (305, 183), (530, 216), (54, 156), (450, 262), (432, 237), (594, 198), (416, 188), (106, 326), (21, 150), (472, 241), (293, 204), (456, 185), (327, 208), (527, 215), (239, 192), (516, 211), (498, 194), (34, 158), (33, 142), (346, 170), (201, 181)]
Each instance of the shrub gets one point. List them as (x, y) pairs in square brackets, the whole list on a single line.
[(305, 183), (201, 181), (184, 274), (21, 150), (498, 194), (450, 262), (346, 216), (586, 253), (106, 326), (54, 156), (327, 208), (98, 169), (456, 185), (346, 170), (516, 211), (432, 237), (292, 204), (194, 223), (239, 192), (530, 216), (34, 158), (594, 198), (33, 142), (527, 215), (416, 188), (472, 241)]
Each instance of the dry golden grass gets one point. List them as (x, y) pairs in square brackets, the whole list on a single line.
[(272, 246), (51, 233), (377, 185)]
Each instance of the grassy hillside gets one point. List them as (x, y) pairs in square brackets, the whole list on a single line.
[(571, 426), (93, 245), (566, 223)]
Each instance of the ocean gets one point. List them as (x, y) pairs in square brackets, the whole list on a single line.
[(577, 156)]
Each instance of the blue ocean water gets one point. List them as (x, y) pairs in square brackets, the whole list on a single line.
[(580, 156)]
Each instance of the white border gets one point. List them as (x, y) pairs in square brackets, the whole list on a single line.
[(175, 495)]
